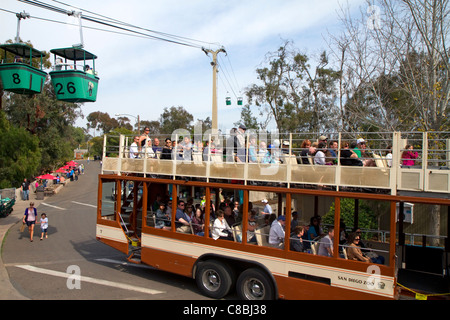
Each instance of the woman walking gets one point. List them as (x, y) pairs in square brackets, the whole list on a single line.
[(30, 219)]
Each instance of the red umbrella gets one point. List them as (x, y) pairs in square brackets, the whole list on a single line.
[(46, 177), (64, 168), (72, 163), (61, 170)]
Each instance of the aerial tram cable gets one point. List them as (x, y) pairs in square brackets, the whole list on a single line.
[(113, 24), (228, 97), (112, 20), (227, 74)]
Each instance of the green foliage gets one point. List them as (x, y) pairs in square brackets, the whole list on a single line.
[(174, 118), (367, 217), (300, 97), (20, 155)]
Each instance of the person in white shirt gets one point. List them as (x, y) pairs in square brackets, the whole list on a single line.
[(149, 149), (221, 229), (267, 207), (44, 225), (277, 233), (319, 157), (134, 150)]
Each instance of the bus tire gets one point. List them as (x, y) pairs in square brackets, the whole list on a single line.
[(213, 279), (255, 284)]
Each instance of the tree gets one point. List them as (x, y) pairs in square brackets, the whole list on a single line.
[(395, 72), (102, 121), (174, 118), (20, 156), (298, 96), (247, 118)]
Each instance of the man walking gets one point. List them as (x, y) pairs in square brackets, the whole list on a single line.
[(25, 190)]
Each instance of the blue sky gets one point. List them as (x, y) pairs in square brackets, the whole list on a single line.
[(141, 76)]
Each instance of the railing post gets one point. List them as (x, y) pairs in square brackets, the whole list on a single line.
[(425, 177), (104, 150), (174, 158), (246, 160), (121, 147), (394, 170), (209, 159), (337, 172)]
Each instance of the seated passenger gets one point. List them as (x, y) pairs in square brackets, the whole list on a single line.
[(182, 219), (221, 229), (319, 157), (326, 244), (162, 218), (88, 69), (134, 150), (150, 152), (166, 152), (198, 221), (360, 150), (353, 250), (252, 156), (314, 229), (306, 150), (277, 234), (187, 148), (296, 240), (349, 157), (408, 156), (252, 225), (366, 250), (229, 216)]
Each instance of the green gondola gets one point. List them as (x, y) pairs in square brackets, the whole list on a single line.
[(74, 82), (18, 74)]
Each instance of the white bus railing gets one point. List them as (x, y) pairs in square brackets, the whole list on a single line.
[(429, 172)]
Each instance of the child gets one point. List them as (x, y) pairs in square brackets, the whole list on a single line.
[(44, 225)]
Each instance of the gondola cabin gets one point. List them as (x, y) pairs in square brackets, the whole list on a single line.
[(73, 78), (18, 73)]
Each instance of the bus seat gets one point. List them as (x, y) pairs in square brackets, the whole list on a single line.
[(261, 236), (315, 247), (197, 157), (344, 251), (237, 232), (217, 158)]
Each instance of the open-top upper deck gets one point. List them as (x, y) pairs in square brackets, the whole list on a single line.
[(385, 168)]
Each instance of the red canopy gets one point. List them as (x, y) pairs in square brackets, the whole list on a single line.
[(46, 177), (61, 170), (72, 163)]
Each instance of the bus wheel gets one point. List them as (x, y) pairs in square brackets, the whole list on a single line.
[(254, 284), (213, 279)]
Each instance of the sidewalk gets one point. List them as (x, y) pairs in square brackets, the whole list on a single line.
[(7, 291)]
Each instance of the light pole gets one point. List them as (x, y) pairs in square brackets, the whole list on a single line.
[(137, 118)]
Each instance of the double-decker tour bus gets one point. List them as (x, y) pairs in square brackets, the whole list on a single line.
[(307, 217)]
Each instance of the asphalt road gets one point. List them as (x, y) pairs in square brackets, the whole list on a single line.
[(72, 265)]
